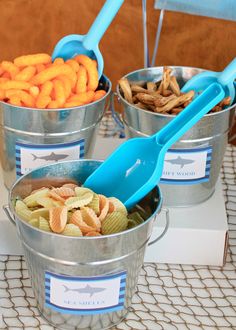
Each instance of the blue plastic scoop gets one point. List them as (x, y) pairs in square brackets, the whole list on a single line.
[(75, 44), (134, 168), (226, 78)]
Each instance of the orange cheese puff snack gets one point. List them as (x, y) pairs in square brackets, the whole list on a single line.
[(2, 94), (15, 100), (6, 75), (26, 74), (73, 64), (67, 85), (53, 105), (42, 101), (91, 70), (43, 98), (99, 94), (34, 59), (1, 70), (59, 92), (84, 98), (51, 73), (81, 85), (34, 91), (73, 104), (14, 84), (3, 79), (58, 61), (40, 67), (26, 98), (46, 88), (10, 67)]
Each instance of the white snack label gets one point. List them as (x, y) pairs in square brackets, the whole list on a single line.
[(187, 166), (85, 295), (31, 156)]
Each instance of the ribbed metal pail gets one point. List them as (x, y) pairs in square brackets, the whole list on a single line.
[(81, 282), (192, 165), (31, 138)]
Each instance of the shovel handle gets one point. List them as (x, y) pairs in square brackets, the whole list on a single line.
[(187, 118), (101, 23), (228, 75)]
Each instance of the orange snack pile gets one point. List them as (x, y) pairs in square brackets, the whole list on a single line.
[(35, 81), (72, 210)]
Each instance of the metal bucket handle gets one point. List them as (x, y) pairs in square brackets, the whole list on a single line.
[(115, 115), (8, 213), (119, 119), (165, 229)]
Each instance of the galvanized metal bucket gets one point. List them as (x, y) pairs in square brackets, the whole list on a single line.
[(32, 137), (81, 282), (192, 165)]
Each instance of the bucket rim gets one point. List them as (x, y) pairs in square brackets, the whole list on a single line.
[(161, 114), (25, 223), (64, 109)]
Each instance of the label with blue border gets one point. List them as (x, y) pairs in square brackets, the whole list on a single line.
[(85, 295), (187, 166), (31, 156)]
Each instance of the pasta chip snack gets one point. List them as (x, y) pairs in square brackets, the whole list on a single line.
[(35, 81), (72, 210)]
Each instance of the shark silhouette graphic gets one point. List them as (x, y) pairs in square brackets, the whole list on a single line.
[(51, 157), (87, 290), (180, 161)]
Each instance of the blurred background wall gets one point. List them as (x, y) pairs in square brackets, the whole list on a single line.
[(31, 26)]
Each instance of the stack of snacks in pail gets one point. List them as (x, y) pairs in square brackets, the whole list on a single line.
[(49, 110), (83, 250), (75, 211), (150, 98)]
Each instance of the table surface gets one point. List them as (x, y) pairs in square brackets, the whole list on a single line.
[(169, 296)]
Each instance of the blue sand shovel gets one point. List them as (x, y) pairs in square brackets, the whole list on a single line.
[(134, 168), (226, 78), (75, 44)]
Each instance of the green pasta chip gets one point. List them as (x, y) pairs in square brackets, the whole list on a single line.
[(80, 191), (135, 216), (34, 223), (94, 204), (119, 206), (72, 230), (131, 224), (41, 212), (114, 222), (79, 201), (31, 200), (24, 214), (20, 205), (44, 224)]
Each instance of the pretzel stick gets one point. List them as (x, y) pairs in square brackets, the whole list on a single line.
[(164, 100), (174, 86), (151, 86), (146, 98), (138, 89), (175, 111), (174, 103), (125, 86)]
